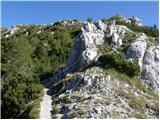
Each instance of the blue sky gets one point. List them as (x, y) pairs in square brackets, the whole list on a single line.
[(14, 13)]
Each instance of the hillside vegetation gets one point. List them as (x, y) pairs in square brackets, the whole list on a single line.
[(31, 55), (34, 53)]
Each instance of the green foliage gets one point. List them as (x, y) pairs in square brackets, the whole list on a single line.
[(105, 48), (29, 57), (137, 103), (18, 90), (118, 61), (130, 37), (73, 28), (3, 30), (116, 18)]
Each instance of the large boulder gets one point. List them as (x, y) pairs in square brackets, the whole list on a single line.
[(137, 49), (85, 50), (89, 27), (150, 72), (118, 33), (116, 40)]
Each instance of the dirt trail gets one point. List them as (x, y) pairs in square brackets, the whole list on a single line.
[(46, 103)]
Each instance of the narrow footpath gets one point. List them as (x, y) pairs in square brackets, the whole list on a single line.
[(46, 103)]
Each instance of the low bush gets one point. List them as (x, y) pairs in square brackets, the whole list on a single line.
[(118, 61)]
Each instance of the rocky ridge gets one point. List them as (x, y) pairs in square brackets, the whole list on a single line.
[(92, 92), (85, 50), (84, 89)]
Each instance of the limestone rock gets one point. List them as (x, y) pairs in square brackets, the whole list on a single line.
[(137, 49), (11, 31), (89, 27), (116, 40), (85, 50), (100, 25), (94, 94), (150, 72)]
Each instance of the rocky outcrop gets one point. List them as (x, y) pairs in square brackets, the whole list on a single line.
[(94, 92), (85, 51), (137, 49), (10, 32), (150, 72), (148, 59), (135, 20), (117, 32), (66, 23)]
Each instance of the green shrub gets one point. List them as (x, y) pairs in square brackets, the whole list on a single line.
[(104, 48), (26, 61), (118, 61), (17, 92)]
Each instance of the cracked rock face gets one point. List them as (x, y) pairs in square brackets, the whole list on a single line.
[(150, 67), (148, 59), (94, 92), (85, 51), (137, 49)]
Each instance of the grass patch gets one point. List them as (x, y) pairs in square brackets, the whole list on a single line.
[(104, 48), (132, 81), (130, 37), (137, 103), (152, 41)]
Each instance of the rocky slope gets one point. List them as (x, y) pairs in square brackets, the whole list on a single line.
[(85, 89), (111, 71), (95, 93), (85, 50)]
